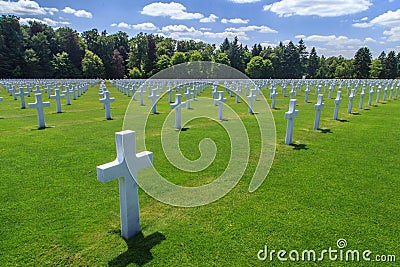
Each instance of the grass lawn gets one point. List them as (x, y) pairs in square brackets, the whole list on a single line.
[(342, 181)]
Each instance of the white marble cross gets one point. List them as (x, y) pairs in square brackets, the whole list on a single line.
[(106, 100), (178, 110), (22, 95), (273, 96), (371, 94), (237, 91), (125, 168), (220, 103), (154, 97), (39, 105), (351, 98), (290, 116), (251, 98), (188, 95), (318, 108), (1, 99), (67, 93), (307, 91), (141, 93), (362, 95), (378, 94), (337, 101), (57, 96)]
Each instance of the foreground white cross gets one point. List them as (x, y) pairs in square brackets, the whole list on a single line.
[(290, 115), (39, 105), (128, 187)]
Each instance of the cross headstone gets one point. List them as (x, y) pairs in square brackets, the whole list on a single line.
[(371, 94), (39, 105), (351, 98), (153, 98), (237, 91), (318, 108), (48, 90), (141, 92), (188, 94), (307, 91), (106, 100), (251, 98), (385, 93), (220, 103), (378, 95), (57, 96), (292, 94), (169, 92), (362, 95), (178, 110), (1, 99), (337, 101), (125, 168), (290, 116), (67, 94), (22, 95), (273, 97)]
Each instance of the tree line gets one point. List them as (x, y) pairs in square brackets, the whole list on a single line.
[(37, 50)]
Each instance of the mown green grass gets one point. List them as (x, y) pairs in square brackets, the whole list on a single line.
[(338, 182)]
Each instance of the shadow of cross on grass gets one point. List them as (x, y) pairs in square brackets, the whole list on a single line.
[(138, 250)]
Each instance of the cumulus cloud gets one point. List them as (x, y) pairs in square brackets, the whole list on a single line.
[(336, 41), (322, 8), (393, 34), (235, 21), (147, 26), (78, 13), (388, 19), (211, 18), (47, 21), (22, 7), (262, 29), (173, 10)]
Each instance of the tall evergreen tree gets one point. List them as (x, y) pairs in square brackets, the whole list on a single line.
[(11, 47), (313, 63), (362, 61), (391, 65)]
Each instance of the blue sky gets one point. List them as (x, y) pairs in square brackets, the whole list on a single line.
[(336, 28)]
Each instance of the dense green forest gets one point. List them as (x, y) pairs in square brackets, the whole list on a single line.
[(39, 51)]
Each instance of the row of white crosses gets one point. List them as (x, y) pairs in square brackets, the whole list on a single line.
[(26, 87)]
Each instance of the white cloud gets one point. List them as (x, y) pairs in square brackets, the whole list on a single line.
[(322, 8), (226, 34), (393, 34), (244, 1), (262, 29), (235, 21), (78, 13), (181, 31), (338, 42), (388, 19), (22, 7), (47, 21), (147, 26), (205, 29), (211, 18), (172, 10)]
